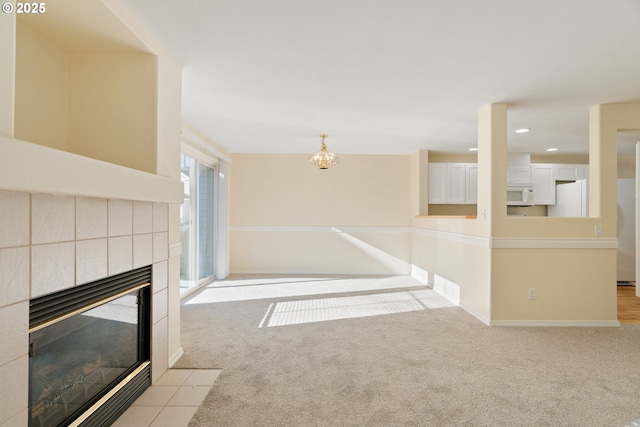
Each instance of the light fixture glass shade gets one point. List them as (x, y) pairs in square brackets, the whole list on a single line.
[(324, 158)]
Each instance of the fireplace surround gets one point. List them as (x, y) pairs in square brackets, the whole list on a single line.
[(50, 243), (89, 350)]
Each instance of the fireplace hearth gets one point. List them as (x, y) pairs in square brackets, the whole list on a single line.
[(90, 350)]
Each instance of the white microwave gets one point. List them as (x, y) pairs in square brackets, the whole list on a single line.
[(520, 195)]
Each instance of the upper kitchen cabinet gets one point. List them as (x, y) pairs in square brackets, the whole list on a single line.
[(448, 183), (519, 175), (472, 183), (571, 172), (544, 184), (87, 90), (518, 168)]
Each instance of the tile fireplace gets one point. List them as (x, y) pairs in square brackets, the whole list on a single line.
[(52, 244)]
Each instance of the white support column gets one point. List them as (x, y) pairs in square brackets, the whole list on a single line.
[(222, 241)]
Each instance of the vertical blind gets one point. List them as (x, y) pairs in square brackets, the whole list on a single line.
[(198, 222)]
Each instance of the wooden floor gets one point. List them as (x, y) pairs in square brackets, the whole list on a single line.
[(628, 305)]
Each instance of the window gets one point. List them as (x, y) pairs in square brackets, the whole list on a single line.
[(197, 222)]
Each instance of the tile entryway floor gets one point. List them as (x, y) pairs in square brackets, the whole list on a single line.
[(171, 401)]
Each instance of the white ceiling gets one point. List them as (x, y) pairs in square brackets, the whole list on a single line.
[(396, 76)]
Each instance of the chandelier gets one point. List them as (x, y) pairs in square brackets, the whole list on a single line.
[(324, 158)]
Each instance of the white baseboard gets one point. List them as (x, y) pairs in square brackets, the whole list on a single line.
[(285, 272), (177, 355), (561, 323), (483, 319), (420, 275)]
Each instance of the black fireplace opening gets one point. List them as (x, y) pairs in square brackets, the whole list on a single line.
[(90, 350)]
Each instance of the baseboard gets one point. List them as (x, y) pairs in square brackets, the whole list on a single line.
[(420, 275), (566, 243), (319, 229), (483, 319), (561, 323), (324, 273), (177, 355)]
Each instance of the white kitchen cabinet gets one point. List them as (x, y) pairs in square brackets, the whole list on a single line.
[(457, 183), (472, 184), (544, 184), (584, 171), (568, 172), (518, 175), (447, 183), (438, 183)]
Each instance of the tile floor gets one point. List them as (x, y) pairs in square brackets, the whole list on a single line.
[(171, 401)]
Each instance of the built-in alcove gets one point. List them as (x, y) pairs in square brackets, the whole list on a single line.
[(87, 91)]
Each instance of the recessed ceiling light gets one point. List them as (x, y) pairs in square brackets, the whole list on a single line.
[(473, 149), (552, 149), (523, 130)]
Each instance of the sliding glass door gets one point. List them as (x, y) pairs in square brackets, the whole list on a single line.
[(197, 222)]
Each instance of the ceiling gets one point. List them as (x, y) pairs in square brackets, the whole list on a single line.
[(394, 77)]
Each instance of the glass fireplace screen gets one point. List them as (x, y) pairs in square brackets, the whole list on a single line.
[(75, 361)]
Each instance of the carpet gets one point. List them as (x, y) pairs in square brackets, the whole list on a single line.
[(426, 367)]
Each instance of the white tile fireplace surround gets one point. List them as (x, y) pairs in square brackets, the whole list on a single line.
[(52, 242)]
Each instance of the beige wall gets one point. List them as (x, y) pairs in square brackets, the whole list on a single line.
[(420, 183), (497, 259), (289, 216), (468, 210), (440, 157), (562, 258), (283, 190), (578, 159), (97, 104), (7, 72), (112, 108), (462, 261), (570, 284), (169, 124), (278, 225), (626, 167), (41, 90), (320, 251)]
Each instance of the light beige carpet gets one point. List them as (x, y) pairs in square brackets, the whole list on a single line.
[(430, 367)]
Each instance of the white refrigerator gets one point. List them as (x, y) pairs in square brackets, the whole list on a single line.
[(571, 199), (626, 230)]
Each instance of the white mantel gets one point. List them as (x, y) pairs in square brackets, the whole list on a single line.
[(35, 168)]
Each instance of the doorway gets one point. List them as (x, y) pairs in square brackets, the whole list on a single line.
[(628, 217)]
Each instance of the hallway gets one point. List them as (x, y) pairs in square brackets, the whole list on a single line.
[(628, 304)]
